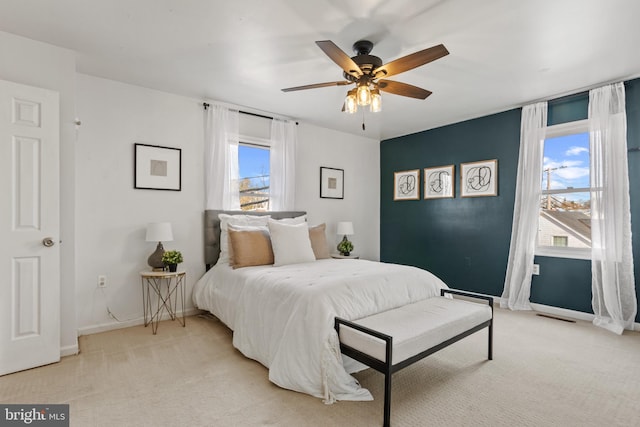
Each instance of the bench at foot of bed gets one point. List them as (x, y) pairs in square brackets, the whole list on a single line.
[(394, 339)]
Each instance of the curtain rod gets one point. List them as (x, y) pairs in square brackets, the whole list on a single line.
[(206, 105)]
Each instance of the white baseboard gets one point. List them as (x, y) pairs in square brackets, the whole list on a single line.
[(69, 350), (571, 314), (104, 327), (562, 312)]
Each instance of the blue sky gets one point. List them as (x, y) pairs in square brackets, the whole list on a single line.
[(570, 154), (253, 161)]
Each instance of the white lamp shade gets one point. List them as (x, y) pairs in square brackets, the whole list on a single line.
[(159, 232), (345, 228)]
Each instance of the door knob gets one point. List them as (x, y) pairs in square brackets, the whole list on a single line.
[(48, 242)]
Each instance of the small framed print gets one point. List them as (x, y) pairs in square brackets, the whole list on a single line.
[(406, 185), (331, 183), (479, 178), (157, 168), (438, 182)]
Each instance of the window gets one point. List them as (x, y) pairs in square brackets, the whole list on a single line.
[(253, 165), (564, 227), (561, 241)]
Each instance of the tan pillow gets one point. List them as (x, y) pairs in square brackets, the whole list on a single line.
[(248, 248), (319, 241), (235, 227)]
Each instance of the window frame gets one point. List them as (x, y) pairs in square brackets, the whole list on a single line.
[(554, 131), (255, 142)]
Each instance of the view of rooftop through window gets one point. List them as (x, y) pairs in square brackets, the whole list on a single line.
[(565, 215), (253, 163)]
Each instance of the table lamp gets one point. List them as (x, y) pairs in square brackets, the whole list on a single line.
[(345, 246), (158, 232)]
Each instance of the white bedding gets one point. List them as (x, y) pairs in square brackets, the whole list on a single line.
[(283, 316)]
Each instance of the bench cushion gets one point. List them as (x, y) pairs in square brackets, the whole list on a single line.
[(416, 327)]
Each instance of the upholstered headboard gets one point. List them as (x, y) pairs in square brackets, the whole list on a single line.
[(212, 230)]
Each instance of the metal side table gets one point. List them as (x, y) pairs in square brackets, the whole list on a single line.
[(167, 287)]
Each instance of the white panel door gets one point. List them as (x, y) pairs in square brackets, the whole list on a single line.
[(29, 227)]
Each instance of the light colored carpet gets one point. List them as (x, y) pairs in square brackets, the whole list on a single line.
[(545, 372)]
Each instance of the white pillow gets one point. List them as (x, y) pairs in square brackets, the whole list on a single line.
[(236, 220), (290, 243), (297, 220)]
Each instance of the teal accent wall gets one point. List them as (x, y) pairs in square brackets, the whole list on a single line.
[(568, 109), (465, 241), (632, 90)]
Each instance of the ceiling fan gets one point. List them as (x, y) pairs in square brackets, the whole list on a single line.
[(369, 74)]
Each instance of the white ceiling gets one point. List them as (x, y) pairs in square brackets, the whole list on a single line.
[(503, 53)]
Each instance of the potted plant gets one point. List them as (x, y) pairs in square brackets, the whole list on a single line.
[(345, 246), (172, 259)]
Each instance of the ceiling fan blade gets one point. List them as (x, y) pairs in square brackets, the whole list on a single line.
[(317, 85), (411, 61), (403, 89), (338, 56)]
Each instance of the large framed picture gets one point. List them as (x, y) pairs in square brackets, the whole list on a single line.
[(157, 168), (479, 178), (406, 185), (438, 182), (331, 183)]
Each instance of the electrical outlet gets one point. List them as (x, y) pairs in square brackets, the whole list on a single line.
[(536, 269), (102, 281)]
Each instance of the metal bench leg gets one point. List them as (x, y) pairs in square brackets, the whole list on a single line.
[(491, 340), (387, 399)]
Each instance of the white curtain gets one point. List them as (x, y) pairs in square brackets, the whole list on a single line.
[(613, 287), (282, 180), (517, 284), (221, 158)]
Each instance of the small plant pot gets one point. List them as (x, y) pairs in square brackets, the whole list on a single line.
[(173, 268)]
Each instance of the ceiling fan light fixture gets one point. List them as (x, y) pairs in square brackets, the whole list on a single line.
[(350, 103), (376, 101), (367, 71), (364, 95)]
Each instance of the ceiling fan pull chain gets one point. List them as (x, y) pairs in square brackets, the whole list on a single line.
[(363, 128)]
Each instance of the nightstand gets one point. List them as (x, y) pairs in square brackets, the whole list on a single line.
[(161, 291), (338, 256)]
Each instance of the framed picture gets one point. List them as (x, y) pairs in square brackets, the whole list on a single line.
[(157, 168), (406, 185), (438, 182), (479, 178), (331, 183)]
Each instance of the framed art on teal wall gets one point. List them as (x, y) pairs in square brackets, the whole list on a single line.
[(438, 182), (406, 185), (479, 178)]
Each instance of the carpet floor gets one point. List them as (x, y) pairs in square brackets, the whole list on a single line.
[(545, 372)]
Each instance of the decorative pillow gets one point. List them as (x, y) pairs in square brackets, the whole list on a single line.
[(237, 220), (265, 229), (249, 247), (290, 243), (319, 241)]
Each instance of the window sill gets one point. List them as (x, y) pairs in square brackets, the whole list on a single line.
[(572, 253)]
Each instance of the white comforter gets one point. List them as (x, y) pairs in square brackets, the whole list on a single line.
[(283, 316)]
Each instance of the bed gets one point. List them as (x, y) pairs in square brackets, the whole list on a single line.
[(282, 315)]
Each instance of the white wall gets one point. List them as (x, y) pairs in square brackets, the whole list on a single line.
[(360, 159), (112, 215), (38, 64)]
